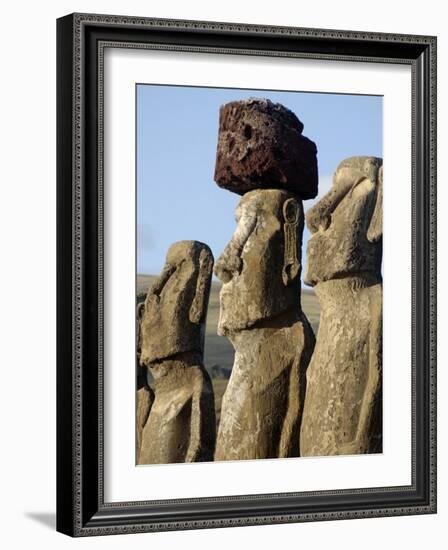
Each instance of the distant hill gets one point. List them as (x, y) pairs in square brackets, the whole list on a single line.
[(219, 352)]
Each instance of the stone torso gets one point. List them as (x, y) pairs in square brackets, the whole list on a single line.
[(341, 369), (262, 406), (180, 427)]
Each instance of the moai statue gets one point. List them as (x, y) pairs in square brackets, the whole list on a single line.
[(260, 309), (181, 423), (342, 413)]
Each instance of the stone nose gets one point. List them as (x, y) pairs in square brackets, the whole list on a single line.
[(227, 267), (143, 358)]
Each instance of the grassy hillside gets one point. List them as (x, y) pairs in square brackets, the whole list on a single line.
[(218, 350)]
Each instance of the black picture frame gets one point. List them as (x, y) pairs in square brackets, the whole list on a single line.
[(81, 510)]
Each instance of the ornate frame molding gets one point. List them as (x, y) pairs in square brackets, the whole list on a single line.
[(81, 42)]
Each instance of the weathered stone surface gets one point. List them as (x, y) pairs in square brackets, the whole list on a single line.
[(181, 423), (173, 318), (263, 401), (346, 224), (260, 266), (181, 426), (343, 403), (260, 145), (145, 399), (261, 315)]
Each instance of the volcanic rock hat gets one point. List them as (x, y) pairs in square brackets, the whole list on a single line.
[(261, 146)]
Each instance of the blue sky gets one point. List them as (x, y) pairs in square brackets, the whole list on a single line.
[(177, 130)]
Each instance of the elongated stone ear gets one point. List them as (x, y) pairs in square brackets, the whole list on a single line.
[(375, 230), (198, 309), (291, 263)]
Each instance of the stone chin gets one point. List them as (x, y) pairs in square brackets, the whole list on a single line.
[(315, 269), (238, 314), (324, 264), (229, 320), (180, 338)]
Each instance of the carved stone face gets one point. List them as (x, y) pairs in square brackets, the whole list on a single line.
[(260, 275), (173, 318), (346, 224)]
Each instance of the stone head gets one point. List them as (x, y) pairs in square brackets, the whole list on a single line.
[(173, 317), (260, 267), (346, 224)]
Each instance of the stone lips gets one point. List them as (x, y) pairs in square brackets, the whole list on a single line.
[(261, 146)]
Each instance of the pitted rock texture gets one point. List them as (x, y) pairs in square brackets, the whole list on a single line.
[(181, 425), (260, 313), (343, 403), (261, 146)]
